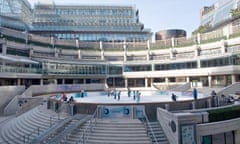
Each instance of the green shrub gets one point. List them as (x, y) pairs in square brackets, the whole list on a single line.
[(224, 114)]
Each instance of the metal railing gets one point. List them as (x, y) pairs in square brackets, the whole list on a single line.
[(150, 132), (89, 127)]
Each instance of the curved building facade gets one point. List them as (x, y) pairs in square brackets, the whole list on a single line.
[(212, 62), (171, 33)]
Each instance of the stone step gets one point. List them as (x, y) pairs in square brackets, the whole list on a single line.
[(91, 141), (22, 126)]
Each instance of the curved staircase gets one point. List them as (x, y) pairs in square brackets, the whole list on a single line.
[(23, 128)]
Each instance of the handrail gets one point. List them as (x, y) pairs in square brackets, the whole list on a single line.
[(89, 127), (59, 110), (149, 127), (22, 138), (228, 87), (31, 133)]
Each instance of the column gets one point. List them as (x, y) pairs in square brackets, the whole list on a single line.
[(105, 82), (210, 81), (198, 38), (126, 82), (4, 49), (188, 79), (237, 136), (225, 79), (31, 51), (171, 53), (18, 81), (125, 51), (151, 82), (84, 81), (197, 50), (41, 82), (223, 47), (198, 63), (77, 43), (63, 81), (166, 80), (55, 52), (79, 54), (173, 43), (102, 55), (233, 79), (148, 50), (146, 82)]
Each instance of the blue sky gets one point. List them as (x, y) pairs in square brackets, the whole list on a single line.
[(157, 14)]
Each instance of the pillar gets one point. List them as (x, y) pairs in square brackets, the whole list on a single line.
[(148, 50), (188, 79), (102, 55), (237, 136), (105, 82), (125, 50), (233, 79), (63, 81), (55, 52), (79, 54), (77, 43), (146, 82), (41, 82), (100, 45), (166, 80), (18, 81), (225, 79), (4, 49), (198, 38), (171, 53), (198, 63), (223, 47), (31, 51), (197, 50), (173, 41), (151, 82), (126, 82), (209, 81), (84, 81)]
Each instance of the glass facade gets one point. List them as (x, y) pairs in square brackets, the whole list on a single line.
[(86, 23), (15, 14), (219, 12), (89, 23), (217, 62), (175, 66)]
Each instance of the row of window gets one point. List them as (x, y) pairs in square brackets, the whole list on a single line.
[(105, 37), (103, 69), (217, 62), (106, 12), (96, 21)]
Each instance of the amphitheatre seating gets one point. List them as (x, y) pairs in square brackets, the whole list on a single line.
[(23, 128)]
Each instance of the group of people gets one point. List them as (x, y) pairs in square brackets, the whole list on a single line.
[(194, 94), (65, 98), (117, 94)]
